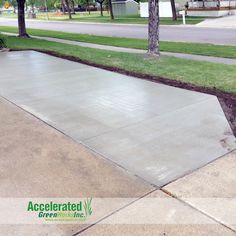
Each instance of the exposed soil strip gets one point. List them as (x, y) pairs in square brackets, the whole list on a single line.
[(227, 100)]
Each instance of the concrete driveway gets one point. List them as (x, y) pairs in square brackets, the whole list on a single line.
[(222, 22), (38, 161), (156, 132)]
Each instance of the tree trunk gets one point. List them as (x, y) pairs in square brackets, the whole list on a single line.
[(21, 19), (153, 28), (111, 10), (68, 8), (32, 7), (88, 7), (174, 16), (73, 6), (63, 7), (101, 9)]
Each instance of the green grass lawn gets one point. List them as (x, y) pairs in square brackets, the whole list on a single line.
[(95, 17), (130, 19), (205, 74), (189, 48)]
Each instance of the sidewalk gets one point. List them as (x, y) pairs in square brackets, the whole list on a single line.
[(132, 50)]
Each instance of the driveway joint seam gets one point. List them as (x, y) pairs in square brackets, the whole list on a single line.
[(196, 209), (116, 211)]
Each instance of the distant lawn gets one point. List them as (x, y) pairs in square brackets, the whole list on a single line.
[(133, 20), (189, 48), (205, 74), (95, 17)]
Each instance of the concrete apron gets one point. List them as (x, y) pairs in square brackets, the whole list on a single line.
[(156, 132)]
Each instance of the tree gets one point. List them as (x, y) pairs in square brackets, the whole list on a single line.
[(88, 6), (21, 19), (174, 16), (31, 3), (73, 6), (67, 3), (12, 3), (101, 6), (63, 7), (111, 10), (153, 28)]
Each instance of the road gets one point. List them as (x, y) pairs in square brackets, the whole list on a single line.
[(167, 33)]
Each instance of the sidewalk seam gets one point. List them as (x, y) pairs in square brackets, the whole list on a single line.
[(196, 209), (114, 212)]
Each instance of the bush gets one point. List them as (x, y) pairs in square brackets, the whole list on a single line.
[(2, 43)]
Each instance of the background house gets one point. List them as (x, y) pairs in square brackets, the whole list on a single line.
[(211, 8), (125, 7)]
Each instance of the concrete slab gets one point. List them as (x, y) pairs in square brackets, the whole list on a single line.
[(38, 161), (158, 230), (155, 131), (25, 138), (163, 149), (221, 22), (211, 189), (147, 217)]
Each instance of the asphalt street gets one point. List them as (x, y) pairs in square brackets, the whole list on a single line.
[(167, 33)]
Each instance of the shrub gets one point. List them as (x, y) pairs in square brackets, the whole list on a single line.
[(2, 43)]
